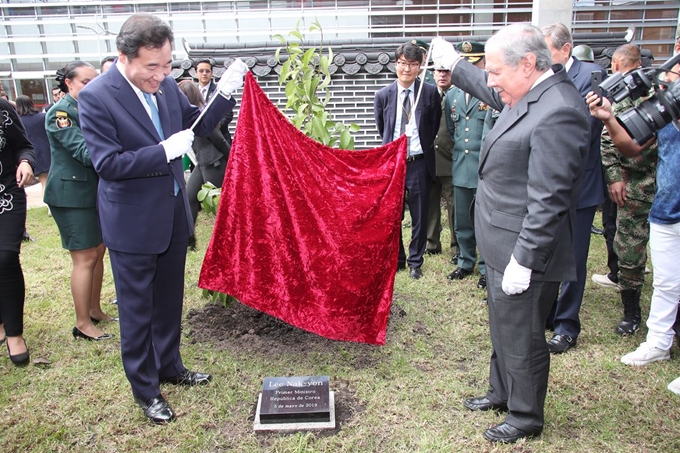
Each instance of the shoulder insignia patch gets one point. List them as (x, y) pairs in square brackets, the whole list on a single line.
[(61, 114), (63, 122)]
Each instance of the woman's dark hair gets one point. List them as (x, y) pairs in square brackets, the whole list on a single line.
[(192, 93), (25, 106), (142, 30), (69, 72)]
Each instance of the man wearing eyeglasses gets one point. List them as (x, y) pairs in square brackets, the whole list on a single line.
[(394, 117), (206, 85)]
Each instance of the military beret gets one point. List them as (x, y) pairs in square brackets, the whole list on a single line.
[(472, 51)]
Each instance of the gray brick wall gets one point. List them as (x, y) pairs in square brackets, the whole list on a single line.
[(351, 101)]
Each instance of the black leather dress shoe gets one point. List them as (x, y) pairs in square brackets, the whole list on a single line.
[(481, 283), (416, 273), (459, 274), (157, 410), (188, 378), (482, 403), (454, 258), (507, 434), (561, 343), (433, 252)]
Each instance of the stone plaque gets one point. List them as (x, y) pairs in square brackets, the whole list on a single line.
[(298, 399)]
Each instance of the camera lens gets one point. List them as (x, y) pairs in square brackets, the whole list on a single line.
[(643, 121)]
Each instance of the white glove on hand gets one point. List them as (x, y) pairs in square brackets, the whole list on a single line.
[(516, 278), (443, 53), (178, 144), (232, 79)]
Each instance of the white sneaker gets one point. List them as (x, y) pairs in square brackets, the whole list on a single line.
[(675, 386), (645, 354), (603, 280)]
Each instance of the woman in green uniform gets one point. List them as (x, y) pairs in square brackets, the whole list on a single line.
[(71, 193)]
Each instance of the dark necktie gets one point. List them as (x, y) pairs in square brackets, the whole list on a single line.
[(406, 106)]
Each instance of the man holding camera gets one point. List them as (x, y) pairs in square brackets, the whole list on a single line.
[(664, 219)]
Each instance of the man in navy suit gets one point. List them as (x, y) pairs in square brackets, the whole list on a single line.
[(393, 116), (566, 311), (136, 124)]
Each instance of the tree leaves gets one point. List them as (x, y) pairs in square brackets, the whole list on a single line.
[(307, 78)]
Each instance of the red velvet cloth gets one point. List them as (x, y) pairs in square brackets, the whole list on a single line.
[(306, 233)]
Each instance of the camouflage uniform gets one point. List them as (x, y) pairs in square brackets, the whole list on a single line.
[(632, 224), (632, 219)]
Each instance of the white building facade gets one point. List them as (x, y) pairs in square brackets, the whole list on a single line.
[(37, 37)]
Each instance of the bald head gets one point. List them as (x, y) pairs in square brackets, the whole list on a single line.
[(626, 58)]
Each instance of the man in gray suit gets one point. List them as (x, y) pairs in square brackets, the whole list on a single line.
[(529, 182)]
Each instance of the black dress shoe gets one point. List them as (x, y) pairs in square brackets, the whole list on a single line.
[(78, 334), (595, 230), (157, 410), (561, 343), (188, 378), (433, 252), (416, 273), (454, 258), (459, 274), (508, 434), (482, 403), (20, 359), (481, 283)]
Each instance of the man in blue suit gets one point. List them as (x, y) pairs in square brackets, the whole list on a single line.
[(566, 311), (136, 124), (393, 116)]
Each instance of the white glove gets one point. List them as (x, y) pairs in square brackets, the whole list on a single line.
[(516, 278), (232, 79), (443, 53), (178, 144)]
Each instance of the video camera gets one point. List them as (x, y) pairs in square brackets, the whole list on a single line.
[(643, 121)]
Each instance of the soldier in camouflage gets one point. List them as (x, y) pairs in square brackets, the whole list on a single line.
[(631, 183)]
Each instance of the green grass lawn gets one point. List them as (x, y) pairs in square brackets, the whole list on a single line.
[(407, 395)]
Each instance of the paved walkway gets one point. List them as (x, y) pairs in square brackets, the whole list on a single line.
[(35, 196)]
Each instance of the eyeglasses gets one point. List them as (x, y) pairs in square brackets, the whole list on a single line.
[(404, 64), (204, 71)]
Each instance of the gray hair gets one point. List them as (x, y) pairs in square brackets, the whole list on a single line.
[(517, 40), (559, 35)]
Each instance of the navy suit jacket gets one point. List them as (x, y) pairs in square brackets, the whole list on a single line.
[(428, 113), (593, 191), (136, 187)]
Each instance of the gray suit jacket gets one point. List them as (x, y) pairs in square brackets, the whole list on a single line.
[(530, 175)]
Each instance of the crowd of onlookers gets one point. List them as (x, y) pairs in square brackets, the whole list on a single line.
[(448, 162), (454, 119)]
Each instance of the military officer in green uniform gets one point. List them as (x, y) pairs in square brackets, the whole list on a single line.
[(71, 194), (442, 187), (465, 117), (429, 76)]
